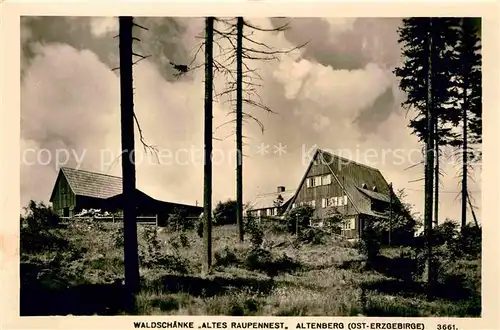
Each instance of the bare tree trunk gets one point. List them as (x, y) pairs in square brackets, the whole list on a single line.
[(465, 105), (390, 213), (207, 189), (429, 162), (472, 211), (239, 127), (131, 259), (436, 173)]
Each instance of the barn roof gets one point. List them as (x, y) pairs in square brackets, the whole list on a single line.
[(265, 201), (91, 184)]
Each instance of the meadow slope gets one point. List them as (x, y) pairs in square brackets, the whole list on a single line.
[(80, 271)]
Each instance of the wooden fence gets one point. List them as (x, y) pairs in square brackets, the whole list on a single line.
[(141, 220)]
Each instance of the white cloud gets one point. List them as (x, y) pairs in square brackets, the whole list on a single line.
[(70, 100), (103, 25)]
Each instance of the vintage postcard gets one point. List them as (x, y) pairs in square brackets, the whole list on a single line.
[(250, 165)]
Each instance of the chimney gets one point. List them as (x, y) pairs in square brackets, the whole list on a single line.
[(281, 189)]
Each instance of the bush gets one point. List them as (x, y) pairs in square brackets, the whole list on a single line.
[(276, 226), (117, 237), (178, 241), (199, 228), (450, 246), (303, 213), (258, 259), (312, 236), (469, 242), (36, 234), (39, 217), (225, 213), (369, 244), (253, 228), (285, 263), (225, 257), (151, 255), (178, 220)]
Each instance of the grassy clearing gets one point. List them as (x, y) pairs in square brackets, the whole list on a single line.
[(282, 278)]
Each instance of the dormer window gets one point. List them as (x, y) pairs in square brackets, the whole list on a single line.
[(363, 185), (374, 189)]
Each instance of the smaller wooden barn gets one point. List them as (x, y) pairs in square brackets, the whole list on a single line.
[(75, 190)]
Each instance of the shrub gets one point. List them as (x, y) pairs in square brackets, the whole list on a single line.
[(303, 214), (258, 259), (254, 229), (225, 213), (184, 240), (178, 241), (225, 257), (450, 246), (199, 228), (39, 217), (151, 255), (469, 242), (285, 263), (276, 226), (178, 220), (117, 237), (369, 244), (312, 236), (37, 232)]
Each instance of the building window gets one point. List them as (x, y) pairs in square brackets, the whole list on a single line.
[(313, 203), (294, 206), (349, 224), (326, 179), (319, 180), (258, 213), (268, 212), (334, 201)]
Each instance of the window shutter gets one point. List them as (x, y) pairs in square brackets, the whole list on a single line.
[(323, 202)]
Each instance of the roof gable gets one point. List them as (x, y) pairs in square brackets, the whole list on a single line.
[(356, 173), (351, 175), (60, 176), (265, 201), (90, 184)]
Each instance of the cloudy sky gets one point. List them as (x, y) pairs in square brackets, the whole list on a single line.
[(337, 93)]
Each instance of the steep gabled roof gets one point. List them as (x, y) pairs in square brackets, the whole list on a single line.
[(375, 195), (350, 174), (265, 201), (91, 184)]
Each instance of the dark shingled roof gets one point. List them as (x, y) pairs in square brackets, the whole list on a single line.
[(375, 195), (90, 184), (352, 175)]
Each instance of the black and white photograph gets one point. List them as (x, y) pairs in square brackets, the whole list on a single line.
[(251, 166)]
